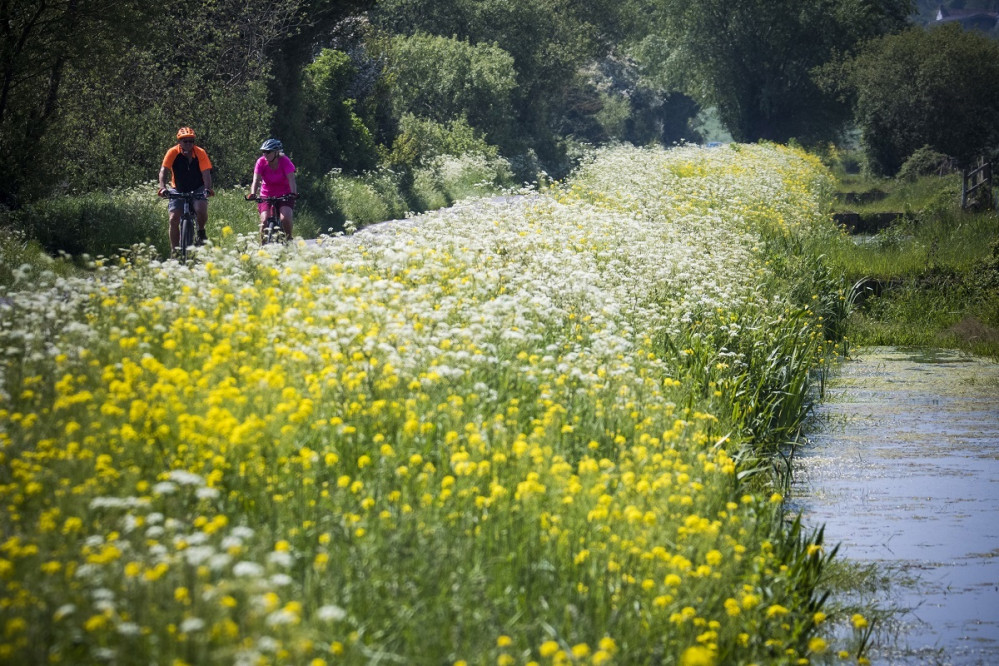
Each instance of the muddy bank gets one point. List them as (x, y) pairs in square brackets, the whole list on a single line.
[(903, 469)]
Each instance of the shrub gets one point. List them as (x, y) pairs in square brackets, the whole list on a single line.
[(925, 162), (428, 192), (339, 136), (21, 257), (369, 198), (938, 87), (447, 78), (465, 177), (420, 140), (473, 175), (96, 223)]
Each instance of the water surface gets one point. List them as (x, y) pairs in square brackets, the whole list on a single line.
[(903, 469)]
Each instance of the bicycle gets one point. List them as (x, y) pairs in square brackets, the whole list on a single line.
[(187, 219), (272, 230)]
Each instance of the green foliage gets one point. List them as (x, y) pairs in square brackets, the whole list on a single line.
[(339, 138), (935, 232), (421, 140), (924, 162), (367, 198), (937, 88), (96, 223), (752, 59), (613, 102), (358, 201), (229, 122), (466, 177), (427, 191), (927, 280), (21, 259), (548, 40), (234, 122), (444, 79), (114, 92), (42, 47)]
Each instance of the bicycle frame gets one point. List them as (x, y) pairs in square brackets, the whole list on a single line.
[(187, 220), (272, 230)]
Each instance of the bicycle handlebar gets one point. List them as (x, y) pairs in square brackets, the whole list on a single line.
[(170, 193), (284, 197)]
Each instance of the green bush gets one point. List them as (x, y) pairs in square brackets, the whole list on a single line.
[(446, 78), (921, 87), (420, 140), (21, 259), (339, 136), (368, 198), (96, 223), (925, 162), (471, 175), (450, 178), (428, 192)]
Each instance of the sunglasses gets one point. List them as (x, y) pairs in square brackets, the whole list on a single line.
[(187, 141)]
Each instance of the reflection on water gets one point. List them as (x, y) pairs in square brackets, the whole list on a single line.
[(903, 469)]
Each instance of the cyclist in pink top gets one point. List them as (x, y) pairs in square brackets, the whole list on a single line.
[(274, 175)]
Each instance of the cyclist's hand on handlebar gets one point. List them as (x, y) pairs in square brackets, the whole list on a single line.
[(210, 192), (161, 192), (251, 197), (293, 195)]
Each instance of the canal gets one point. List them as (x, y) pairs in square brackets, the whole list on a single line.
[(902, 468)]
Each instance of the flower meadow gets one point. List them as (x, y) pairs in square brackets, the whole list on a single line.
[(543, 430)]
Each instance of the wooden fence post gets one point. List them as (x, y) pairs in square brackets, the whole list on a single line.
[(973, 179)]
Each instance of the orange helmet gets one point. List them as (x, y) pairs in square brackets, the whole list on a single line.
[(185, 133)]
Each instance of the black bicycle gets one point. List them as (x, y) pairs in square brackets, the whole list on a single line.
[(187, 219), (272, 230)]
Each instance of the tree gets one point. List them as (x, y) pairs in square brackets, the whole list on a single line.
[(40, 43), (444, 79), (615, 103), (936, 88), (752, 59), (87, 80), (321, 24), (339, 138), (549, 41)]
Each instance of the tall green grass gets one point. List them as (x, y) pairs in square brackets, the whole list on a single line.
[(931, 278), (22, 259), (925, 241)]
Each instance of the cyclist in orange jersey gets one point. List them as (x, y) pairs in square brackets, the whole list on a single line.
[(190, 171)]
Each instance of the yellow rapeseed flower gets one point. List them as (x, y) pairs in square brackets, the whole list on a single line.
[(697, 655), (548, 649), (817, 645)]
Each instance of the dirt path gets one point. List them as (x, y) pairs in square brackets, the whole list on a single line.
[(903, 469)]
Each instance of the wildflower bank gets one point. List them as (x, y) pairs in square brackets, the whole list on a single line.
[(500, 433)]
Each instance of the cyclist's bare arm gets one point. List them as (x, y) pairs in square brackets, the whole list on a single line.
[(255, 185)]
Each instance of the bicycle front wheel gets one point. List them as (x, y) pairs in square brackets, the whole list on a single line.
[(271, 231), (186, 234)]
